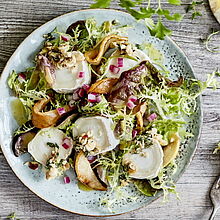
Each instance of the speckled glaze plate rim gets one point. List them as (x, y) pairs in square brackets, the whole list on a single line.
[(199, 124)]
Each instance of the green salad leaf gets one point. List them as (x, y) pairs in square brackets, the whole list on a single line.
[(25, 90), (83, 37), (144, 187), (164, 181)]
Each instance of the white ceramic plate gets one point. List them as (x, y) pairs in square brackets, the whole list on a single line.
[(68, 196)]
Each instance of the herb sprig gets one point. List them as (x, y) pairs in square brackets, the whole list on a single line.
[(12, 216), (157, 29), (193, 7)]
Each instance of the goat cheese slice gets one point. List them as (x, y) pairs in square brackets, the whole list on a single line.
[(147, 163), (100, 128), (39, 148), (66, 80)]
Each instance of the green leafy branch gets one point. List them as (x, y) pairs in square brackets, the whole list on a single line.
[(138, 10), (193, 7)]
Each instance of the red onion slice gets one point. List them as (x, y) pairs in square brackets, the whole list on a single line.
[(85, 136), (91, 159), (81, 93), (21, 77), (120, 62), (114, 69), (66, 179), (94, 97), (134, 133), (91, 97), (86, 87), (152, 117), (64, 38), (132, 98), (66, 143), (130, 104), (98, 98), (61, 110), (75, 95), (81, 74)]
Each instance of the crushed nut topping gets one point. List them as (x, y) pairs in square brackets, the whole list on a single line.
[(158, 137), (56, 167), (86, 142), (124, 182), (61, 56)]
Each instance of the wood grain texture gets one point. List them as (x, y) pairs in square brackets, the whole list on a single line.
[(19, 18)]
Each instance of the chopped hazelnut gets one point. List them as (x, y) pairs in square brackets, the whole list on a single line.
[(52, 173)]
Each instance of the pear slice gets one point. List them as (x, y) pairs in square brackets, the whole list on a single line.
[(85, 174), (171, 150), (43, 119), (95, 55)]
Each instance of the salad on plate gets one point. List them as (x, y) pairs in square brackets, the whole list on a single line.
[(100, 106)]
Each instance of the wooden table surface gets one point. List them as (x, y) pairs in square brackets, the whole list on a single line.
[(19, 18)]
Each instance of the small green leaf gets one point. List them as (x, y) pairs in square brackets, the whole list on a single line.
[(160, 31), (189, 8), (148, 11), (101, 4), (178, 17), (127, 4), (144, 187), (175, 2), (168, 16), (12, 79), (163, 12), (196, 14), (199, 3), (138, 15), (49, 144), (192, 7), (174, 17), (142, 14)]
